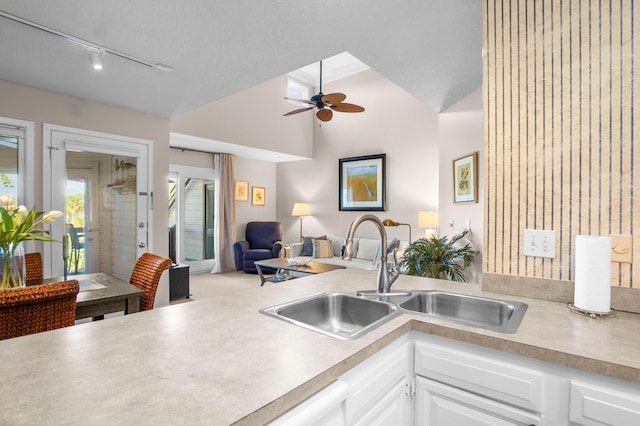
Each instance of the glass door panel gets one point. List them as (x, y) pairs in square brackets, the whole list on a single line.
[(192, 204), (198, 219), (8, 167)]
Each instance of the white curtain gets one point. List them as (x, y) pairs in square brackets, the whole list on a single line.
[(225, 220)]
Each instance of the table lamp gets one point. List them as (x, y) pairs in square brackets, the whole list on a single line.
[(428, 221), (301, 210)]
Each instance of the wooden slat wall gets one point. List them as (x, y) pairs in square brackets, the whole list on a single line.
[(562, 130)]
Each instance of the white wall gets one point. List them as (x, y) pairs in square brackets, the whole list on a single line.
[(461, 133), (394, 123), (252, 118), (257, 173)]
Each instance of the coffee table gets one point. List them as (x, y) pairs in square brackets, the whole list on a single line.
[(282, 264)]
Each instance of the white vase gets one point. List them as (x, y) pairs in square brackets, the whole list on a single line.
[(12, 266)]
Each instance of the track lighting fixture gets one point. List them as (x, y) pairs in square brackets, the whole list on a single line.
[(96, 59)]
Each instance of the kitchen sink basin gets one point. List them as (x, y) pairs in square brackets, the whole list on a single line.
[(338, 315), (498, 315)]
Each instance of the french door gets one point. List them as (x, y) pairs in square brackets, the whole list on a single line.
[(124, 234), (192, 210)]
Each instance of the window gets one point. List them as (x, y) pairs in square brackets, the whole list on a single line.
[(16, 161), (298, 90), (9, 141)]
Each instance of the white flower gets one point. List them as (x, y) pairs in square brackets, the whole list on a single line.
[(20, 215), (6, 200), (52, 216)]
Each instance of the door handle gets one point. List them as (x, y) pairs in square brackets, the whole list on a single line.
[(142, 245)]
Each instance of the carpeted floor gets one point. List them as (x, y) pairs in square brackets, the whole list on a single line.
[(205, 285)]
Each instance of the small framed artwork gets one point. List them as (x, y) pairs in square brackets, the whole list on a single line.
[(362, 183), (242, 190), (465, 179), (258, 196)]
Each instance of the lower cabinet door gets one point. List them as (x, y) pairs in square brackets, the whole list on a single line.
[(326, 408), (597, 405), (442, 405), (393, 409)]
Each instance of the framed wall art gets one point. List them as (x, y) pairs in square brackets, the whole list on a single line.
[(258, 196), (465, 179), (242, 190), (362, 183)]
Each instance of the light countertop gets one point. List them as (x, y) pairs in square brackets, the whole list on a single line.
[(218, 361)]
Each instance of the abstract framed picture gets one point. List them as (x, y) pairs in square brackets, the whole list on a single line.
[(258, 196), (242, 190), (362, 183), (465, 179)]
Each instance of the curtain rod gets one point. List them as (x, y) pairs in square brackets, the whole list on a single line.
[(198, 150)]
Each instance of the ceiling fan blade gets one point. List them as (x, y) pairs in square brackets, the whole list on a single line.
[(334, 98), (304, 101), (324, 114), (296, 111), (344, 107)]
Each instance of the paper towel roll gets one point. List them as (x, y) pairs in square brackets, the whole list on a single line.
[(592, 290)]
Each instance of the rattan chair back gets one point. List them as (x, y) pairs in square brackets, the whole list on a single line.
[(37, 308), (146, 276), (33, 263)]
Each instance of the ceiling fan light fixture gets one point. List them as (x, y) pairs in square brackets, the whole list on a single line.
[(325, 104), (96, 60)]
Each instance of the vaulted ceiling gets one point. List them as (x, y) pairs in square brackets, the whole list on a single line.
[(431, 48)]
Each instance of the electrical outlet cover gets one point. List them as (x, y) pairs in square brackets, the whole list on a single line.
[(539, 243)]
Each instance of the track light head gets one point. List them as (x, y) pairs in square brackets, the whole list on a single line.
[(96, 60)]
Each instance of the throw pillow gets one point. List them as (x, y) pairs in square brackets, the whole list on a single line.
[(322, 248), (307, 244), (367, 249)]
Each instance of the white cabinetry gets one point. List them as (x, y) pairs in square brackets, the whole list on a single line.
[(442, 405), (597, 404), (378, 388), (460, 386), (326, 408), (459, 383)]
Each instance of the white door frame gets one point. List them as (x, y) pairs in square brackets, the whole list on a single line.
[(56, 140), (183, 173)]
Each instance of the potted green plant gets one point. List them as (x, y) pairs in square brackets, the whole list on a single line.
[(436, 257)]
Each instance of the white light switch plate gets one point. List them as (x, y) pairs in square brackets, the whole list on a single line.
[(539, 243)]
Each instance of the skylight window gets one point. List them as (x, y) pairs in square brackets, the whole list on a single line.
[(298, 90)]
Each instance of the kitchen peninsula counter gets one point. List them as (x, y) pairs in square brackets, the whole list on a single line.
[(219, 361)]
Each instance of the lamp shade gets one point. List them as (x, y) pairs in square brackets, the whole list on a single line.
[(428, 220), (300, 209)]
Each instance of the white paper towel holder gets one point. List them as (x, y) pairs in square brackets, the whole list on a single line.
[(591, 314)]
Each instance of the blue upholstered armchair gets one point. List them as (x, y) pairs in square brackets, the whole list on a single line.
[(262, 241)]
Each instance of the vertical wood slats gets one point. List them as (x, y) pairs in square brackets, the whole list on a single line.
[(561, 94)]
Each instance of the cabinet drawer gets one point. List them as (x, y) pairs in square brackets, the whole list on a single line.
[(438, 404), (495, 379), (595, 405)]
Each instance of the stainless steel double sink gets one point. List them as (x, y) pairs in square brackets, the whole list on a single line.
[(349, 316)]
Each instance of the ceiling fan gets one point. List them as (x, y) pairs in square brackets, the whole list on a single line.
[(325, 104)]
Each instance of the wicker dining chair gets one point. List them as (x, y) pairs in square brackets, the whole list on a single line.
[(37, 308), (33, 263), (146, 276)]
